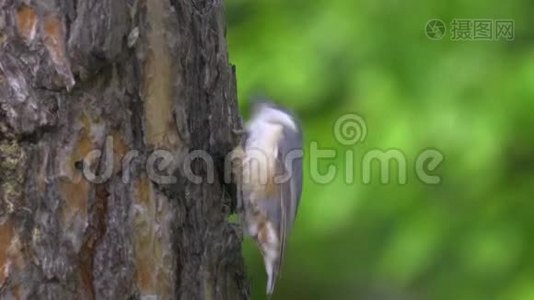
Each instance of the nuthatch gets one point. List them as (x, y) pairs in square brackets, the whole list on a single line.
[(270, 182)]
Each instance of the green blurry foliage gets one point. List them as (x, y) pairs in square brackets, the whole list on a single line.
[(467, 237)]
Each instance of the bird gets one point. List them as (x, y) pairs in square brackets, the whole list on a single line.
[(269, 178)]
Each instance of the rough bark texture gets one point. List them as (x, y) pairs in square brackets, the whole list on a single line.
[(142, 75)]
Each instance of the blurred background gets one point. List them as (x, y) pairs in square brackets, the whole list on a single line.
[(468, 237)]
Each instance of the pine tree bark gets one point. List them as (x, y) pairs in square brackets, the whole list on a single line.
[(134, 77)]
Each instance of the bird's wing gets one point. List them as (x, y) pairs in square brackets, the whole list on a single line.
[(289, 160)]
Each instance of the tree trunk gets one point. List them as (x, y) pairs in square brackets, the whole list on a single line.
[(131, 77)]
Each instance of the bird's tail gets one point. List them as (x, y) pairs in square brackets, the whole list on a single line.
[(268, 243), (272, 276), (272, 268)]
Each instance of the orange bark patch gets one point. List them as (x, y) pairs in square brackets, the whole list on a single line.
[(54, 36), (76, 197), (27, 22), (145, 276), (142, 189), (54, 40), (146, 270), (119, 146), (159, 82), (151, 275), (76, 191), (84, 146), (6, 234)]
